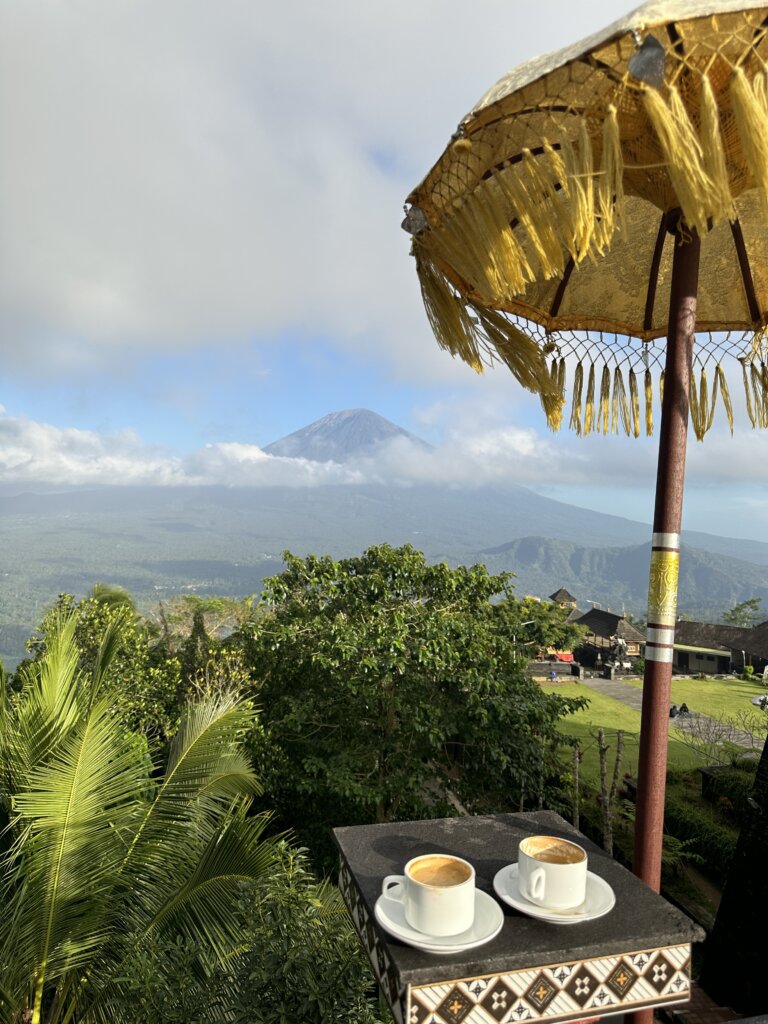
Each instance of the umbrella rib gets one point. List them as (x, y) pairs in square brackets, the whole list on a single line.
[(676, 39), (653, 277), (510, 161), (746, 273), (559, 294)]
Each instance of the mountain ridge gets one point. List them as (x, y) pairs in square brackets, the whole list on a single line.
[(341, 436), (160, 541)]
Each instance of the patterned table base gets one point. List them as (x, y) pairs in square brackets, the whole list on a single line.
[(568, 991)]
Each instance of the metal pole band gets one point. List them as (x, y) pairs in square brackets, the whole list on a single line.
[(662, 596)]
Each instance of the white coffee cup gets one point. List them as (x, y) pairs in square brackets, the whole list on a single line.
[(437, 891), (552, 872)]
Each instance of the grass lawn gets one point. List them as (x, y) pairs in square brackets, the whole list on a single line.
[(612, 715), (718, 698)]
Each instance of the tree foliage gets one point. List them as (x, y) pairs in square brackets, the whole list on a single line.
[(745, 614), (105, 850), (539, 625), (387, 685), (301, 959)]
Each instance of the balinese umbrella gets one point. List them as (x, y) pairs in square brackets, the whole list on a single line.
[(600, 219)]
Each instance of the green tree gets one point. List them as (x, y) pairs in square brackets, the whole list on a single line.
[(113, 595), (105, 852), (145, 680), (746, 614), (538, 625), (301, 959), (389, 686)]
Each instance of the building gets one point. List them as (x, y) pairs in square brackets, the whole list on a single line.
[(610, 637), (750, 647), (703, 647)]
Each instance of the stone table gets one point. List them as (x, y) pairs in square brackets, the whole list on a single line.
[(635, 957)]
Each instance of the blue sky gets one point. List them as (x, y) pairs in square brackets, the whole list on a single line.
[(202, 251)]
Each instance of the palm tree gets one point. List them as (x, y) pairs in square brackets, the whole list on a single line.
[(102, 852)]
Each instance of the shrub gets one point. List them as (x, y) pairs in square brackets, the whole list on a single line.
[(734, 785), (302, 960), (701, 830)]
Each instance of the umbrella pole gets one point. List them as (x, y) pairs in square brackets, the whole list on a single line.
[(665, 557)]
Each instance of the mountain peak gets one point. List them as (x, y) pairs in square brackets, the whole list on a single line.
[(340, 436)]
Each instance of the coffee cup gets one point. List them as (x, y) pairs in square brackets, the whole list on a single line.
[(552, 872), (437, 891)]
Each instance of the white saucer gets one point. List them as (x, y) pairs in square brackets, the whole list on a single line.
[(599, 900), (489, 917)]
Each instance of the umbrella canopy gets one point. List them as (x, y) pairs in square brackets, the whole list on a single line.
[(544, 234), (600, 214)]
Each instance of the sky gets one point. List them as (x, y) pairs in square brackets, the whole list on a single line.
[(201, 252)]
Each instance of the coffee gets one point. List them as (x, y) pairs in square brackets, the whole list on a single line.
[(554, 851), (552, 872), (439, 871), (437, 892)]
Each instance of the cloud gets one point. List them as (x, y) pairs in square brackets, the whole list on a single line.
[(183, 172), (470, 455)]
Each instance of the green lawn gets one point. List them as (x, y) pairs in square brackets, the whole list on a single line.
[(718, 698), (612, 715)]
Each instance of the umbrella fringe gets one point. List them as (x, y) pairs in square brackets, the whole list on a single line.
[(561, 197), (578, 386), (748, 396), (714, 155), (704, 402), (589, 410), (715, 389), (525, 201), (541, 186), (683, 155), (620, 409), (720, 376), (498, 240), (693, 405), (447, 314), (610, 190), (635, 401), (757, 395), (554, 408), (605, 397), (648, 404), (579, 174), (750, 109), (698, 402), (520, 354)]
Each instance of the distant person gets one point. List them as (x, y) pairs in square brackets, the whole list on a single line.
[(684, 712), (552, 675), (674, 711)]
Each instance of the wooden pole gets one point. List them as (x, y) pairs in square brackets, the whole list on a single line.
[(665, 558), (665, 563)]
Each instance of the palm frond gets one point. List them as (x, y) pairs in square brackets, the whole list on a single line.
[(201, 906), (68, 822), (205, 766)]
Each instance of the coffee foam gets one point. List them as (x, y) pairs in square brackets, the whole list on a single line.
[(439, 870), (552, 850)]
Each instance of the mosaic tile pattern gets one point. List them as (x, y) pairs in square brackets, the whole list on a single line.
[(612, 984), (568, 991)]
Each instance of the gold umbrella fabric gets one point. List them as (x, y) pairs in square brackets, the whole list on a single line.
[(544, 234)]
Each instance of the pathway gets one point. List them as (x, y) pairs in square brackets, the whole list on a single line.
[(632, 696)]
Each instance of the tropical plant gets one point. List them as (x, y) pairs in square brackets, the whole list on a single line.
[(145, 680), (106, 853), (301, 959), (391, 688)]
